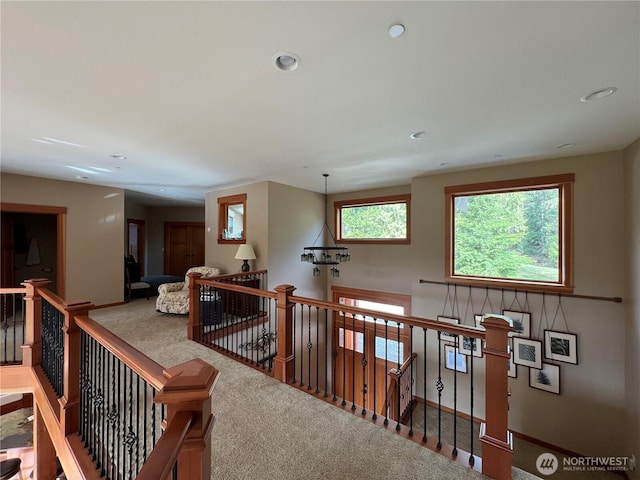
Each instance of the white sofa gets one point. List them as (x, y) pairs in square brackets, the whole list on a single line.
[(174, 297)]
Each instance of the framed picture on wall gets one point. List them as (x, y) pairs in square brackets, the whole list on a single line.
[(521, 323), (527, 352), (546, 378), (471, 346), (446, 336), (454, 360), (561, 346)]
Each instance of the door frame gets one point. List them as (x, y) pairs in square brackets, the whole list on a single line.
[(141, 225), (61, 238), (359, 326)]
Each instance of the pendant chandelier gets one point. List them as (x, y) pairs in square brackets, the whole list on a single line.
[(332, 255)]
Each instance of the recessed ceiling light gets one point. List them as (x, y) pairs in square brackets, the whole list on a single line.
[(118, 157), (161, 189), (286, 61), (598, 94), (417, 135), (396, 30), (566, 145)]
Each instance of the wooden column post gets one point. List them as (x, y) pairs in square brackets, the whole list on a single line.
[(193, 327), (497, 446), (189, 389), (45, 452), (283, 363), (70, 400), (32, 348)]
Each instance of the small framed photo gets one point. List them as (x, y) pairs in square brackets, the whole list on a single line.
[(454, 360), (521, 323), (471, 346), (546, 378), (561, 346), (477, 318), (446, 336), (513, 368), (527, 352)]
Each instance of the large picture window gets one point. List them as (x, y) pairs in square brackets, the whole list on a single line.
[(511, 233), (374, 220)]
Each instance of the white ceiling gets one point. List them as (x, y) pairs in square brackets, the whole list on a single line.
[(187, 91)]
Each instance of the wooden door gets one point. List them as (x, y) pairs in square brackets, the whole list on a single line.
[(357, 340), (183, 247)]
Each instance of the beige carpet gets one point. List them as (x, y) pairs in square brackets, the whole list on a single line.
[(267, 430)]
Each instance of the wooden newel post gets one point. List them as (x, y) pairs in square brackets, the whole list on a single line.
[(497, 445), (283, 363), (32, 348), (193, 327), (70, 400), (188, 388)]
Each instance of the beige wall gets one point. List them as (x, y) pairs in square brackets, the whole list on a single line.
[(95, 228), (589, 414), (632, 302), (222, 255)]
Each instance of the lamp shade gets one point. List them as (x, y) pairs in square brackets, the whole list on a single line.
[(245, 252)]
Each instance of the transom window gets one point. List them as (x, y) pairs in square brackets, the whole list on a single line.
[(516, 232), (373, 220)]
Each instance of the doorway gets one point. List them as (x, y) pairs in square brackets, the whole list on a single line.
[(360, 338), (33, 245), (136, 244)]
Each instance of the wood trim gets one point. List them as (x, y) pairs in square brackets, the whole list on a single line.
[(61, 234), (527, 183), (149, 370), (389, 298), (564, 183), (159, 463), (25, 402)]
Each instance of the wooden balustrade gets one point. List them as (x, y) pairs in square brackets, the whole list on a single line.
[(185, 390)]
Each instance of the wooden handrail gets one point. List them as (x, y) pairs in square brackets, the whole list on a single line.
[(235, 288), (464, 330), (9, 291), (165, 453), (240, 274), (149, 370)]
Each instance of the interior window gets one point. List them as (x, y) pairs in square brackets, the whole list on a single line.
[(232, 219)]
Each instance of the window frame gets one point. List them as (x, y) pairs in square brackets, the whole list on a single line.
[(223, 214), (364, 202), (564, 183)]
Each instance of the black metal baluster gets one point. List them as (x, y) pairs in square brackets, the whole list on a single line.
[(410, 392), (103, 418), (318, 350), (94, 388), (354, 344), (309, 347), (364, 367), (375, 362), (119, 420), (344, 358), (472, 459), (455, 398), (301, 345), (326, 351), (83, 403), (386, 372), (439, 387), (138, 421), (399, 374), (129, 440), (424, 382), (108, 400)]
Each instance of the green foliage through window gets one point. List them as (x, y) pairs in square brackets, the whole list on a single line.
[(381, 219), (511, 233)]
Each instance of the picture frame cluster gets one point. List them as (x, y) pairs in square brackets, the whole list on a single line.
[(541, 357)]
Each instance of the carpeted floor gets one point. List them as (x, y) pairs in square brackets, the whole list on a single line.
[(267, 430)]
